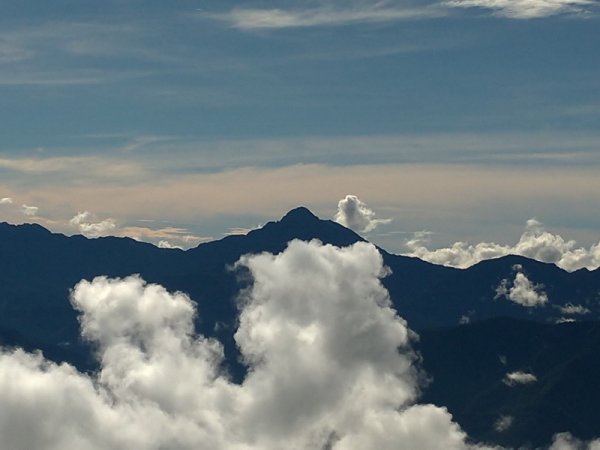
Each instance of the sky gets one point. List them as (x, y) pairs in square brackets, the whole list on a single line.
[(180, 122)]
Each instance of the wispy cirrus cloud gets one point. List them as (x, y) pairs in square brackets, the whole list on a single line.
[(527, 9), (332, 14), (328, 14)]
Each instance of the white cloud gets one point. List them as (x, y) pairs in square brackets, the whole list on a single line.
[(6, 201), (526, 9), (90, 227), (565, 320), (519, 377), (571, 309), (535, 243), (503, 423), (356, 215), (167, 244), (82, 220), (566, 441), (522, 291), (331, 366), (327, 15), (29, 210)]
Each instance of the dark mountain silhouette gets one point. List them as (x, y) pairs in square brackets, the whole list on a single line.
[(468, 365), (38, 268)]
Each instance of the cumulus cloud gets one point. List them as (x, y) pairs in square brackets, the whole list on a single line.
[(535, 243), (519, 377), (29, 210), (330, 366), (356, 215), (167, 244), (526, 9), (6, 201), (85, 225), (566, 441), (522, 291), (571, 309)]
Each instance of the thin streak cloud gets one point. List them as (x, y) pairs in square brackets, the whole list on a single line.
[(327, 15), (527, 9)]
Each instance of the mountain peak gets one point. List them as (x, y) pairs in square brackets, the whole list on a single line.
[(299, 214)]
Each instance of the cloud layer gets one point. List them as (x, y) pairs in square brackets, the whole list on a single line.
[(334, 14), (356, 215), (330, 366), (327, 14), (535, 243), (526, 9)]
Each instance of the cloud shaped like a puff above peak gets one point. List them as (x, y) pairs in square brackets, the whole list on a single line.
[(356, 215), (535, 243), (331, 366)]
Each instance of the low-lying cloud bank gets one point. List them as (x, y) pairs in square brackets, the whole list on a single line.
[(167, 237), (535, 243), (330, 366)]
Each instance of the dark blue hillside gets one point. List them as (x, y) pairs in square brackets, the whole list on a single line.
[(37, 269)]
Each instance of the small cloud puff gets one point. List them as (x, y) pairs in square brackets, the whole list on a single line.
[(503, 423), (167, 244), (82, 220), (356, 215), (535, 243), (522, 291), (6, 201), (571, 309), (30, 211), (514, 378)]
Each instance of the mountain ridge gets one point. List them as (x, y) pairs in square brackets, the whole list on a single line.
[(443, 304)]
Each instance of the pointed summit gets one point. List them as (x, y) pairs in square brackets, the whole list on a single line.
[(300, 214)]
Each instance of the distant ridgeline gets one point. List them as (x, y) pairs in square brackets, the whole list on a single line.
[(508, 316)]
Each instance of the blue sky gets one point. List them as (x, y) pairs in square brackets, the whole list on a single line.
[(463, 117)]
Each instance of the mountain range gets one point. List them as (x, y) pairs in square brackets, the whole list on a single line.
[(476, 325)]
